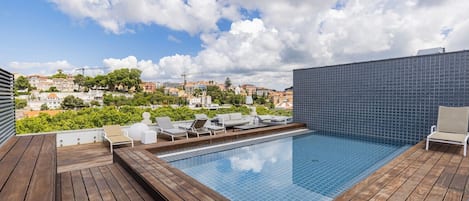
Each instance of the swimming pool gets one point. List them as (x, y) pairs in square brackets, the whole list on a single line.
[(311, 166)]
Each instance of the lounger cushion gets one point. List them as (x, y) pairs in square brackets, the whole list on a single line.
[(201, 116), (453, 119), (231, 123), (279, 119), (213, 127), (117, 139), (164, 122), (264, 117), (175, 131), (185, 126), (236, 116), (448, 137), (113, 130), (223, 117)]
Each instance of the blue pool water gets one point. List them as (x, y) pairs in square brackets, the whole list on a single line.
[(311, 166)]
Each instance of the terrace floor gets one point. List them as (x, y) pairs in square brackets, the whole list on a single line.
[(441, 173), (438, 174), (108, 182)]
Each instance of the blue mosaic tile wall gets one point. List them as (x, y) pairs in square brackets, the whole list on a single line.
[(393, 99)]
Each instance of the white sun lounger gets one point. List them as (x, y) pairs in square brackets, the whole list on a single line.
[(451, 127), (166, 127), (115, 135)]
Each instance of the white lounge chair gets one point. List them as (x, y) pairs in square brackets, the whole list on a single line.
[(166, 127), (451, 127), (115, 135), (209, 125)]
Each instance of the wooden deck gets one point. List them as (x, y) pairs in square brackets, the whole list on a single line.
[(161, 180), (82, 156), (108, 182), (438, 174), (28, 168), (28, 172)]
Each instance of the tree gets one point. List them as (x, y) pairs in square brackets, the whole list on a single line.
[(95, 103), (44, 107), (125, 78), (79, 80), (59, 74), (22, 83), (52, 89), (197, 92), (227, 83), (72, 102), (20, 103)]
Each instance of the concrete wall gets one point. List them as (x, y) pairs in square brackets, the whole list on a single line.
[(393, 99)]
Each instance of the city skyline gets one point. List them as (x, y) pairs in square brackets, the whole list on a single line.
[(251, 42)]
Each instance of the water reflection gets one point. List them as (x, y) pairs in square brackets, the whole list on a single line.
[(251, 160)]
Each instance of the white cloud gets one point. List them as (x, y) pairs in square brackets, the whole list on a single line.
[(148, 68), (45, 68), (285, 35), (192, 16)]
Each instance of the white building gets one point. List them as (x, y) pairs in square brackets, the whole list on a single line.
[(201, 101), (53, 101)]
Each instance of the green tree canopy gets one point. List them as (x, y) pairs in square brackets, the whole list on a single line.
[(52, 89), (44, 107), (126, 78), (59, 74), (227, 82), (72, 102), (20, 103), (22, 83), (79, 80)]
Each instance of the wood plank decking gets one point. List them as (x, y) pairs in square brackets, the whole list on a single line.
[(108, 182), (161, 180), (28, 168), (84, 156), (438, 174), (28, 171)]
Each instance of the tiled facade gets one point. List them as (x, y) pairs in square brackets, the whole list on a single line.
[(395, 99)]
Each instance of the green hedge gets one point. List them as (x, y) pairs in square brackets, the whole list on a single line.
[(97, 117)]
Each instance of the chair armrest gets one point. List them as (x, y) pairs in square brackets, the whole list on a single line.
[(126, 133), (433, 129), (158, 129)]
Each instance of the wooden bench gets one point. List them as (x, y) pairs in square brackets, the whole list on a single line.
[(161, 180), (28, 168)]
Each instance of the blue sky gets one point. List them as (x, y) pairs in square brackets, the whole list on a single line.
[(40, 32), (257, 42)]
